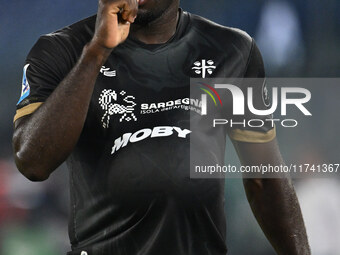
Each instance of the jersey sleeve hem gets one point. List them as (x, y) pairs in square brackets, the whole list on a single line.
[(252, 136), (26, 110)]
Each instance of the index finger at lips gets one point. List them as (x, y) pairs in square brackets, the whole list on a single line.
[(134, 7), (129, 12)]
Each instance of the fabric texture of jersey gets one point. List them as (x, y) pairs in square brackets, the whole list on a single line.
[(131, 191)]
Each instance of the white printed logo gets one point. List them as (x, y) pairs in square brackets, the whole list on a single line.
[(107, 72), (203, 67), (161, 131), (107, 101)]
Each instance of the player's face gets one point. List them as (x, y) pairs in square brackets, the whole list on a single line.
[(150, 10)]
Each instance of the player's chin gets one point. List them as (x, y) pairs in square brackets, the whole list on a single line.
[(144, 17)]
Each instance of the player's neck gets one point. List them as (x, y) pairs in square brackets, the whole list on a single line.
[(159, 31)]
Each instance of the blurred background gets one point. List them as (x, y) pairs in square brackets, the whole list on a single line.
[(298, 38)]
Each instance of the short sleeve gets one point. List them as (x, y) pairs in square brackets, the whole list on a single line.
[(257, 128), (45, 67)]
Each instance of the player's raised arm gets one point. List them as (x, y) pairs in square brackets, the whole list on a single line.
[(47, 127), (273, 201)]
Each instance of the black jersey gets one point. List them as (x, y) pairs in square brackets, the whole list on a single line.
[(131, 191)]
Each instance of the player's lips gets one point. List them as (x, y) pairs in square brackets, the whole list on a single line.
[(141, 2)]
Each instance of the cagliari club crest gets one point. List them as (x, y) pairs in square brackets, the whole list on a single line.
[(121, 104)]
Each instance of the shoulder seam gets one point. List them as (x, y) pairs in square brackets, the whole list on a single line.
[(249, 57)]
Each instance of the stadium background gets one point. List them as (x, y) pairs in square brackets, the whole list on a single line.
[(298, 38)]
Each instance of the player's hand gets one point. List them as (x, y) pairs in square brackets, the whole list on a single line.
[(113, 22)]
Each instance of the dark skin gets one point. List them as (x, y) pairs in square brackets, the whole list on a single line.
[(42, 141), (273, 201)]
